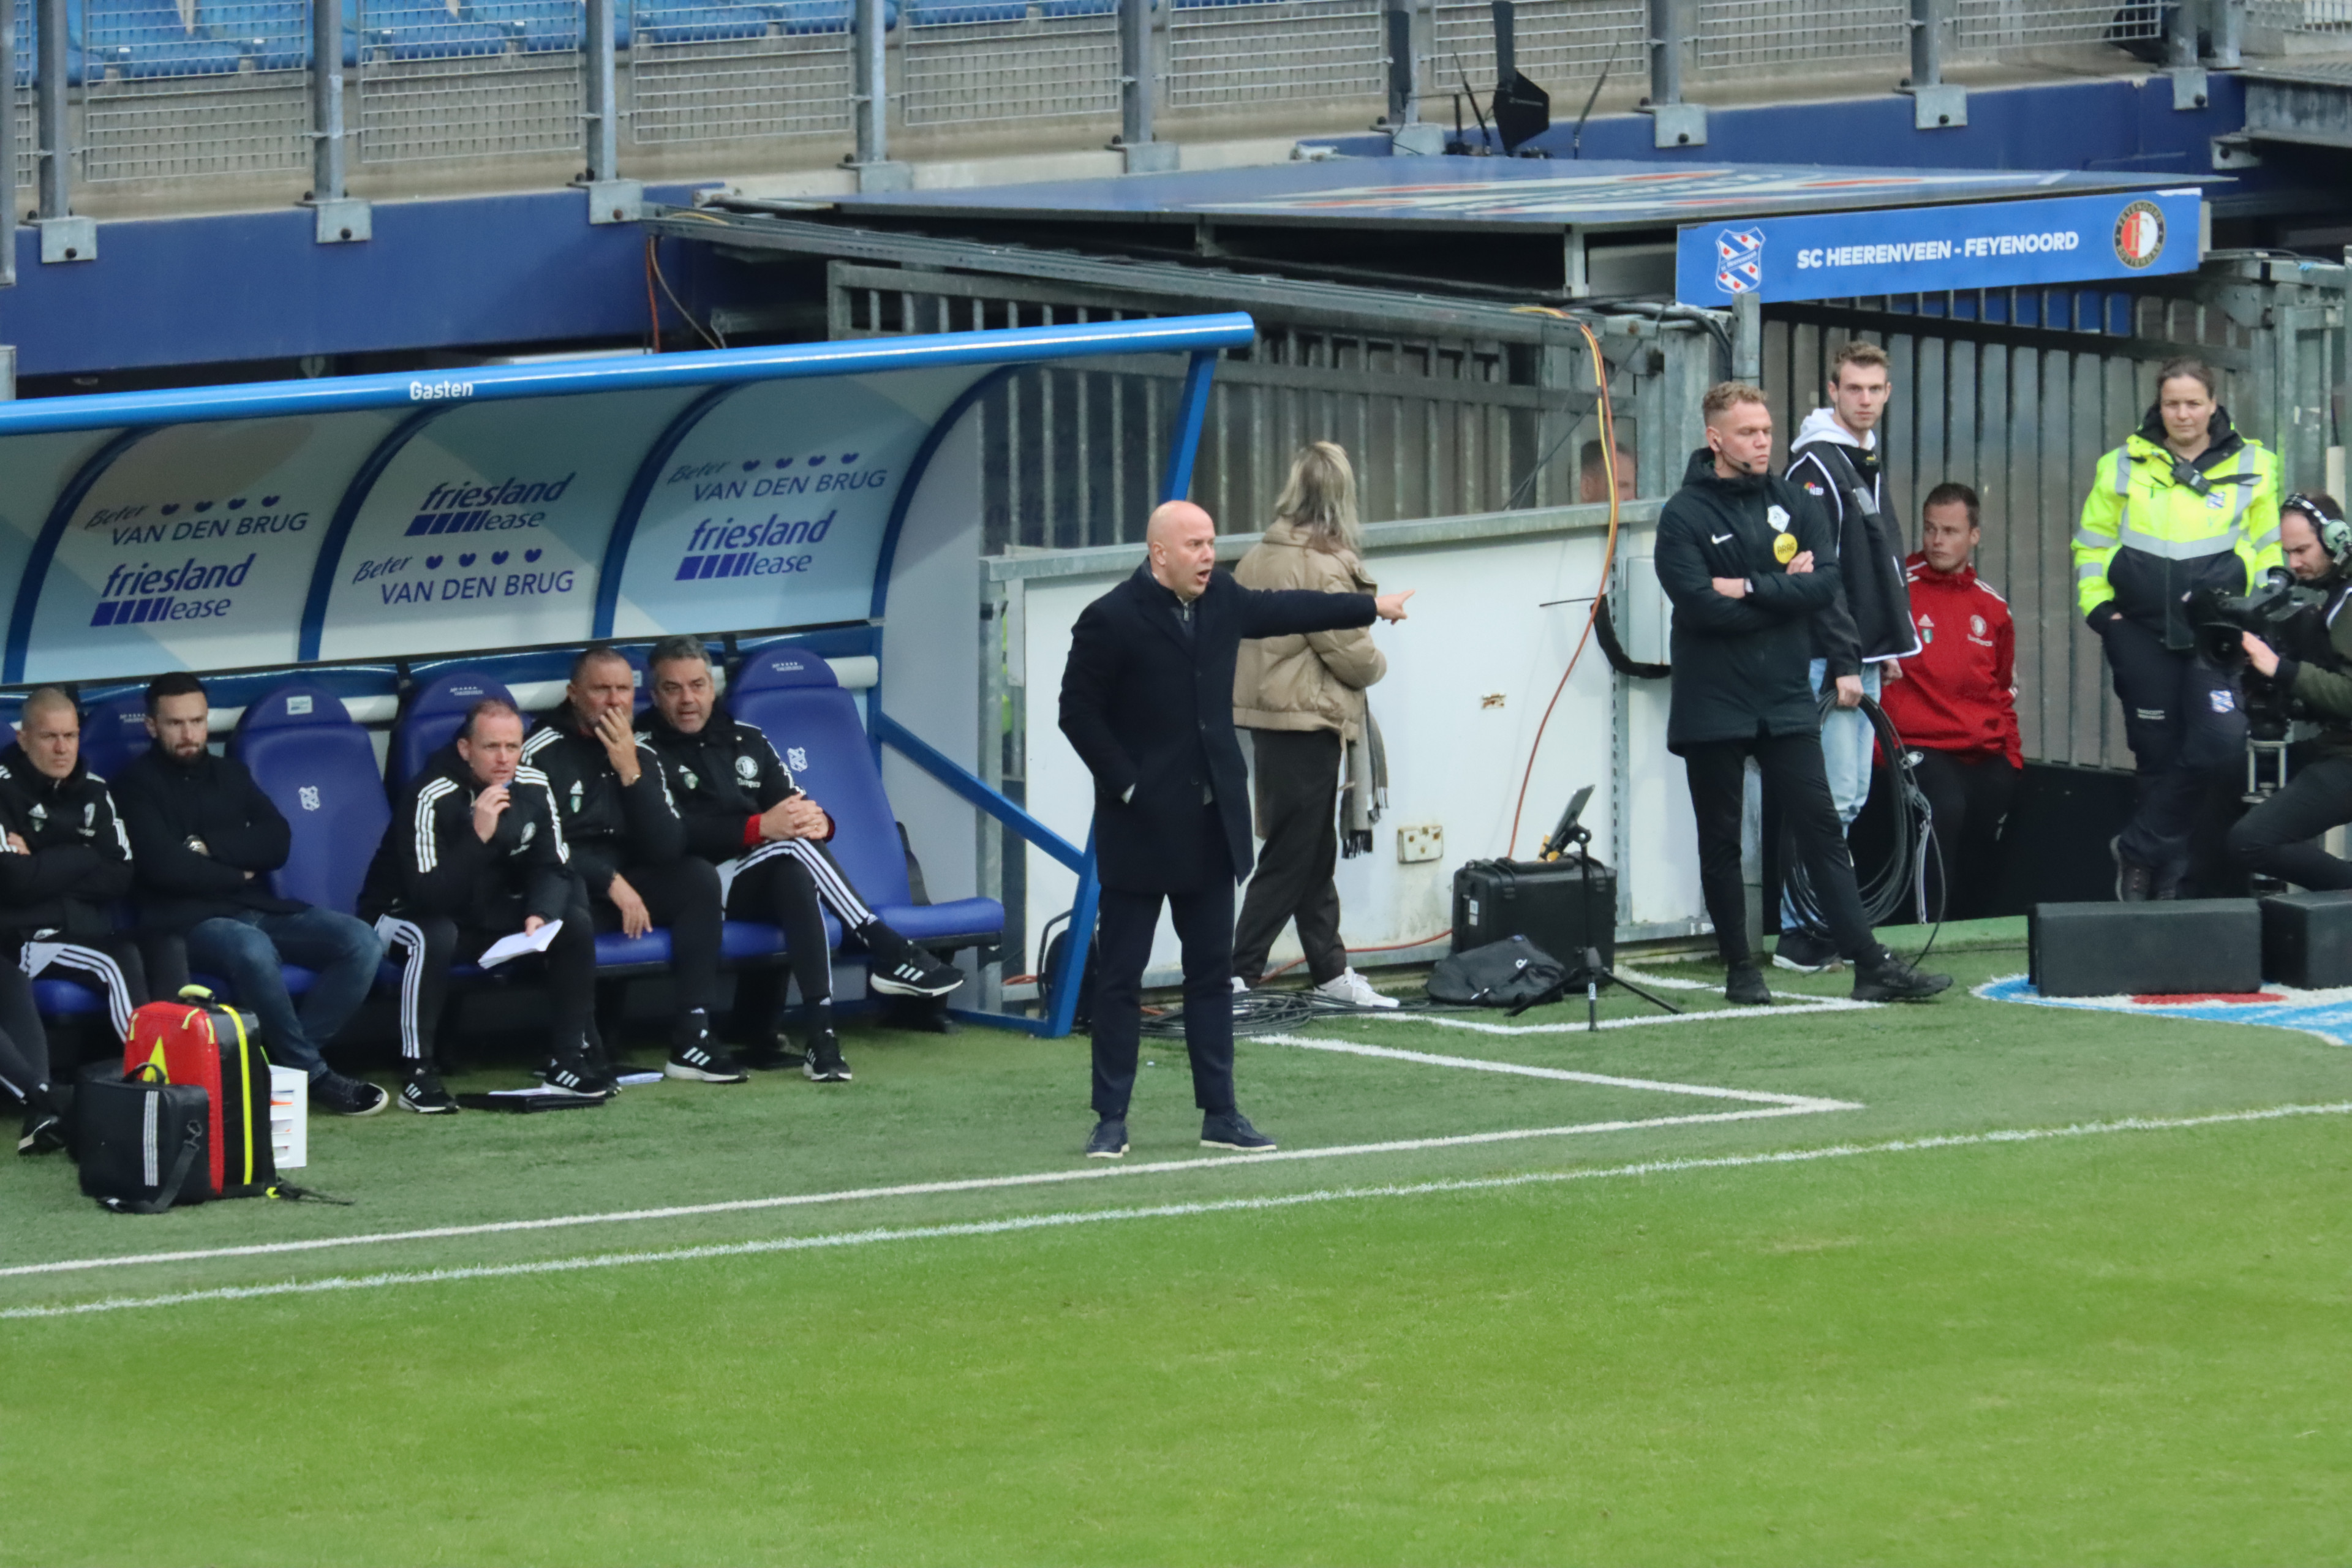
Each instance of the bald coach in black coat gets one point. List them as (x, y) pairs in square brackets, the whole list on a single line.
[(1148, 704)]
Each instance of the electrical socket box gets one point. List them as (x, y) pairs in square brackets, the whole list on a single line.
[(1421, 841)]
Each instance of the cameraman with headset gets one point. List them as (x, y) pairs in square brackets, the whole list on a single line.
[(2275, 839)]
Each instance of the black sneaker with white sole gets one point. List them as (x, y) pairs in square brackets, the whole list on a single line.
[(422, 1094), (700, 1063), (1887, 978), (347, 1096), (579, 1075), (911, 972), (823, 1063), (1232, 1129), (1806, 951), (1108, 1141)]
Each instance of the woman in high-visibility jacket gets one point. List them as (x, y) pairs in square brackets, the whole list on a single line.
[(2186, 502)]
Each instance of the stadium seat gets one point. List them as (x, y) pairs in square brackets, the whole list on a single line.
[(114, 731), (149, 38), (318, 768), (435, 707), (424, 30), (1057, 8), (661, 23), (792, 695), (957, 13)]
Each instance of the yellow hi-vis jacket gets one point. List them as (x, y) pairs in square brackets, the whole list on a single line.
[(2149, 538)]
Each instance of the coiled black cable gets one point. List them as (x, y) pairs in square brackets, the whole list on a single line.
[(1904, 878)]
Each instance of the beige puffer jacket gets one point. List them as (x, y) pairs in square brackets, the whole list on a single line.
[(1311, 682)]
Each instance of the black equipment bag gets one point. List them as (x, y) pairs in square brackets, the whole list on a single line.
[(143, 1145), (1543, 900), (1513, 973), (1058, 954)]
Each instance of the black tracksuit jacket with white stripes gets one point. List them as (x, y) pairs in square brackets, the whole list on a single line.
[(722, 777), (606, 825), (433, 863), (80, 860)]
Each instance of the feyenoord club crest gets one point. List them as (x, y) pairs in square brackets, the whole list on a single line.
[(1739, 260), (2139, 235)]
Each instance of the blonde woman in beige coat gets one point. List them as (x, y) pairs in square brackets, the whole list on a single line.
[(1302, 700)]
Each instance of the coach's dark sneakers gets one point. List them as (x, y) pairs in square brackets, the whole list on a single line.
[(1887, 978), (577, 1073), (824, 1063), (1806, 951), (911, 972), (347, 1096), (696, 1057), (1232, 1129), (2135, 883), (422, 1094), (1745, 984), (1110, 1139), (44, 1133)]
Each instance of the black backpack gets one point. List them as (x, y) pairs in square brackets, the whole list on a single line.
[(142, 1144), (1513, 973)]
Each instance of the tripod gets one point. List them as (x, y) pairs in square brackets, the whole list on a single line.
[(1571, 834)]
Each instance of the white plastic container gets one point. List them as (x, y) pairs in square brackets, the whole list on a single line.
[(290, 1117)]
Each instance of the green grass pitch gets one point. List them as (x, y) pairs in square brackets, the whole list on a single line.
[(1770, 1288)]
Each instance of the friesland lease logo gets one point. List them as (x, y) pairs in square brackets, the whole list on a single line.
[(1739, 260), (191, 591), (2139, 235), (490, 507)]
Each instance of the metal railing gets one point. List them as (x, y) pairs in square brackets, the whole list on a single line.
[(163, 90)]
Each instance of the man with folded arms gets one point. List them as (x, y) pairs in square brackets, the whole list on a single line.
[(205, 838)]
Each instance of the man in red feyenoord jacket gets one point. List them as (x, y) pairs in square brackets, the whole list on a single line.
[(1954, 703)]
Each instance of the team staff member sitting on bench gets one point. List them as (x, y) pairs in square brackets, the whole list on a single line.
[(474, 852), (628, 846), (67, 859), (2275, 838), (743, 812), (204, 838)]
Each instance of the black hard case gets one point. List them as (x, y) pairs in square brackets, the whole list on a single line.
[(1543, 900), (2168, 947)]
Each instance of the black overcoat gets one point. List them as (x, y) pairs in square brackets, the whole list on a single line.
[(1149, 709)]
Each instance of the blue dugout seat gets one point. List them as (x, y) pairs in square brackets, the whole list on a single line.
[(792, 697), (114, 731), (433, 712)]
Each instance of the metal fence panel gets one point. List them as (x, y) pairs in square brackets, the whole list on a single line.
[(1270, 51), (2306, 18), (1009, 61), (1741, 34), (172, 92), (500, 79), (2000, 29), (732, 71), (28, 130), (1558, 42)]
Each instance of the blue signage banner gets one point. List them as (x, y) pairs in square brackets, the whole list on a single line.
[(1912, 250)]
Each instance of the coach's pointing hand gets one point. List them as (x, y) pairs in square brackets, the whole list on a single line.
[(1391, 605)]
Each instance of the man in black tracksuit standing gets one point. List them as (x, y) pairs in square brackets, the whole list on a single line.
[(69, 861), (767, 838), (628, 846), (475, 852), (1749, 562)]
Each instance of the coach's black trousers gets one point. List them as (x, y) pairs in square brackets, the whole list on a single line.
[(1794, 776), (1968, 798), (1296, 780), (683, 899), (24, 1043), (1204, 915), (429, 944)]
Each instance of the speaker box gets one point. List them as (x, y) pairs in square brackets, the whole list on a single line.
[(2170, 947), (2307, 940)]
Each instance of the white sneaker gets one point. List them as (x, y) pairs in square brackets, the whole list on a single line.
[(1241, 986), (1355, 990)]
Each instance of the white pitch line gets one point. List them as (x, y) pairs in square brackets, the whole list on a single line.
[(1647, 1021), (1098, 1171), (1475, 1064), (1161, 1211)]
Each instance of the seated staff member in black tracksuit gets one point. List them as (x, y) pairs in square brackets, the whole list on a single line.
[(473, 853), (628, 846), (69, 859), (1749, 562), (743, 812), (2313, 669)]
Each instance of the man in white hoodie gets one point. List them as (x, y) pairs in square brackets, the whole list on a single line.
[(1836, 457)]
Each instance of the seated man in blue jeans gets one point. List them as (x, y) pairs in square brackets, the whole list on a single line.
[(204, 839)]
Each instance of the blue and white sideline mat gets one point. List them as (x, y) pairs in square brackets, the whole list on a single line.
[(2326, 1014)]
